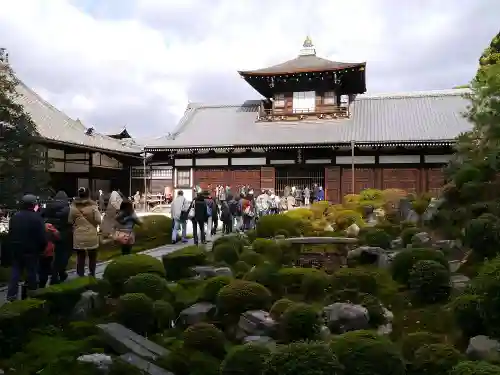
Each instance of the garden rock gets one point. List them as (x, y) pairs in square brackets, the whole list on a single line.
[(197, 313), (143, 365), (342, 317), (324, 333), (404, 208), (204, 272), (421, 239), (256, 323), (412, 217), (352, 230), (397, 243), (482, 347), (223, 271), (261, 340), (123, 340), (459, 282), (447, 244), (378, 254), (386, 329), (100, 361), (88, 303)]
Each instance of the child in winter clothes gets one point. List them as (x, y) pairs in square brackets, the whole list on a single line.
[(45, 261)]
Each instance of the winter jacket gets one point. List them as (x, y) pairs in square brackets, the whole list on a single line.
[(56, 213), (109, 222), (27, 234), (85, 217), (179, 204), (200, 209), (126, 222)]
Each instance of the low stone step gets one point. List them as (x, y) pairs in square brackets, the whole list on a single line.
[(146, 366), (123, 340)]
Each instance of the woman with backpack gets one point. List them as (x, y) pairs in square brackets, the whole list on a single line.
[(126, 219)]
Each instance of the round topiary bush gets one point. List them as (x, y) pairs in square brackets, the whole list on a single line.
[(241, 296), (300, 322), (475, 367), (164, 314), (279, 307), (411, 342), (225, 252), (407, 235), (213, 286), (153, 227), (178, 263), (429, 281), (181, 361), (367, 354), (241, 268), (152, 285), (404, 261), (121, 269), (376, 237), (372, 281), (467, 314), (482, 235), (435, 359), (135, 311), (245, 359), (267, 275), (292, 278), (251, 258), (303, 358), (272, 225), (269, 248), (314, 285), (206, 338)]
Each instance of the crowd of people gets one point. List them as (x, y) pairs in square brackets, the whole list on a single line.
[(40, 240), (236, 213)]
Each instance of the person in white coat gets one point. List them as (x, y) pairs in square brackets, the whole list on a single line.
[(179, 212)]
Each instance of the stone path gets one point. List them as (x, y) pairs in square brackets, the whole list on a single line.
[(158, 253)]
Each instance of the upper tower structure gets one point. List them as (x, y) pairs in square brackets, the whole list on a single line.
[(307, 86)]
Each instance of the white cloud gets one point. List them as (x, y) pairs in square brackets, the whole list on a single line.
[(143, 66)]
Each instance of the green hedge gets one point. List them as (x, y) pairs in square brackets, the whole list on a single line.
[(62, 298), (303, 280), (241, 296), (154, 226), (17, 319), (404, 261), (272, 225), (178, 263)]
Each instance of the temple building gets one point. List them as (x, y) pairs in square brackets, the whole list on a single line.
[(74, 154), (315, 125)]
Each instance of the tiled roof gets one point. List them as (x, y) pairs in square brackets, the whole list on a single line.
[(54, 125), (430, 116), (308, 63)]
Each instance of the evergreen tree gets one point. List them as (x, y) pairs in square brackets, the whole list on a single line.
[(22, 161)]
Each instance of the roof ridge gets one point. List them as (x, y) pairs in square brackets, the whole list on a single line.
[(415, 94)]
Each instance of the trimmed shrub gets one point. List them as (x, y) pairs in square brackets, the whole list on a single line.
[(279, 307), (267, 275), (17, 319), (435, 359), (414, 341), (467, 314), (404, 261), (164, 314), (178, 263), (241, 296), (154, 226), (269, 248), (213, 286), (300, 322), (251, 257), (376, 237), (245, 359), (393, 230), (62, 298), (482, 235), (205, 337), (225, 252), (476, 368), (429, 281), (251, 235), (407, 235), (365, 280), (121, 269), (272, 225), (314, 285), (189, 362), (152, 285), (303, 358), (345, 218), (135, 311), (292, 279), (240, 268), (237, 241), (367, 354)]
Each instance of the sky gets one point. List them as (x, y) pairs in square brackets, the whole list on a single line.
[(138, 63)]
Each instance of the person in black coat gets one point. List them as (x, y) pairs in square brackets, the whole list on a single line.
[(28, 240), (200, 218), (56, 213)]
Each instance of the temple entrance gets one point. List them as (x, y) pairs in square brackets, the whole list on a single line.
[(299, 177)]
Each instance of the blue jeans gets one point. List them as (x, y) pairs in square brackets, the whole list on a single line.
[(179, 224), (21, 263)]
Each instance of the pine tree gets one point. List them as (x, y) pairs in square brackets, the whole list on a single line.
[(22, 164)]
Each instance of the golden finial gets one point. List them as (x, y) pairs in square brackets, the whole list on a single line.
[(308, 42)]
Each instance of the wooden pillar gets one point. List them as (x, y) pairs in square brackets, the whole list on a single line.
[(332, 184)]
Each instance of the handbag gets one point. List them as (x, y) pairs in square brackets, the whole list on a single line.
[(124, 238)]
